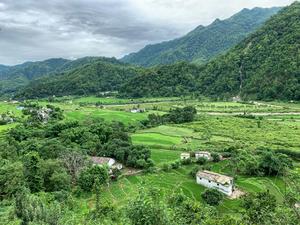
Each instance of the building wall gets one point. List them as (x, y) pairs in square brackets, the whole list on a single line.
[(197, 156), (227, 190), (185, 156), (111, 162)]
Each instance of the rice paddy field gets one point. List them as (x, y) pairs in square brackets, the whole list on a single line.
[(216, 128)]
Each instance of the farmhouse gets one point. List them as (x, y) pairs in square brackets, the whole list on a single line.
[(137, 110), (203, 154), (110, 162), (217, 181), (185, 155)]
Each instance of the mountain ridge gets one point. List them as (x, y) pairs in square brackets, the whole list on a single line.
[(204, 42)]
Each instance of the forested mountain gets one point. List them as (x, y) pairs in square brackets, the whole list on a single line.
[(203, 43), (98, 76), (13, 77), (266, 65)]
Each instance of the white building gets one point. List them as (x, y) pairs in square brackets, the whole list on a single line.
[(185, 155), (203, 154), (137, 110), (217, 181), (110, 162)]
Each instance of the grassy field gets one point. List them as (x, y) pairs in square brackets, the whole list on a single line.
[(209, 132), (178, 180)]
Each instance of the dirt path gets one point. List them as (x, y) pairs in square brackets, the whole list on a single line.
[(254, 114)]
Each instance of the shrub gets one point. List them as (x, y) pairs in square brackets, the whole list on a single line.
[(166, 167), (194, 171), (186, 161), (202, 161), (176, 165), (87, 177), (212, 197), (215, 157)]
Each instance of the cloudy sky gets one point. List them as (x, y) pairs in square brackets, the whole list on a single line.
[(38, 29)]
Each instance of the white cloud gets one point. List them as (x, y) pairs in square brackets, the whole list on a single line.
[(35, 30)]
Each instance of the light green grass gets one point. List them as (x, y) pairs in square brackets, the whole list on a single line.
[(155, 139), (161, 156)]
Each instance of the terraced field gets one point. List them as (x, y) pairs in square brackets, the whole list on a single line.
[(178, 180)]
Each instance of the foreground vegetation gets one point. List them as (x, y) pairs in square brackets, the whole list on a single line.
[(36, 158)]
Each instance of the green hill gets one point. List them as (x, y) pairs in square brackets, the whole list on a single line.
[(14, 77), (100, 75), (203, 43), (266, 65)]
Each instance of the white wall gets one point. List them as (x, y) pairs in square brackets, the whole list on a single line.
[(200, 155), (227, 190), (111, 162)]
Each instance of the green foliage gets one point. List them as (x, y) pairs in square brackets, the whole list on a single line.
[(31, 209), (259, 207), (11, 178), (203, 43), (263, 66), (33, 171), (202, 161), (88, 176), (264, 162), (215, 157), (177, 116), (147, 209), (92, 78), (194, 171), (212, 197)]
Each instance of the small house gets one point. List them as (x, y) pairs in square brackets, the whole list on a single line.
[(216, 181), (203, 154), (110, 162), (185, 155), (137, 110)]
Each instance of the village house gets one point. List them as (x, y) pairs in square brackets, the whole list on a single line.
[(203, 154), (110, 162), (216, 181), (137, 110), (185, 155)]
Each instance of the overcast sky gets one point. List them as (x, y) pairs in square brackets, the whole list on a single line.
[(33, 30)]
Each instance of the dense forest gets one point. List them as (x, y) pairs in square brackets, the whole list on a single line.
[(91, 78), (14, 77), (203, 43), (263, 66)]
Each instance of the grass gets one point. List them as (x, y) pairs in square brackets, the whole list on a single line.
[(108, 115), (155, 139), (161, 156), (175, 181)]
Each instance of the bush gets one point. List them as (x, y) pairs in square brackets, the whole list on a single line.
[(166, 167), (186, 161), (215, 157), (194, 171), (87, 177), (176, 165), (202, 161), (212, 197)]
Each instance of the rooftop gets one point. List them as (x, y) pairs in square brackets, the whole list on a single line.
[(185, 153), (203, 152), (218, 178), (101, 160)]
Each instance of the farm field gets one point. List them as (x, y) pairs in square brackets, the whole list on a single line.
[(178, 180), (207, 132)]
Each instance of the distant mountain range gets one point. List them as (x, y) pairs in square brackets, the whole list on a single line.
[(265, 66), (14, 77), (203, 43), (82, 78)]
